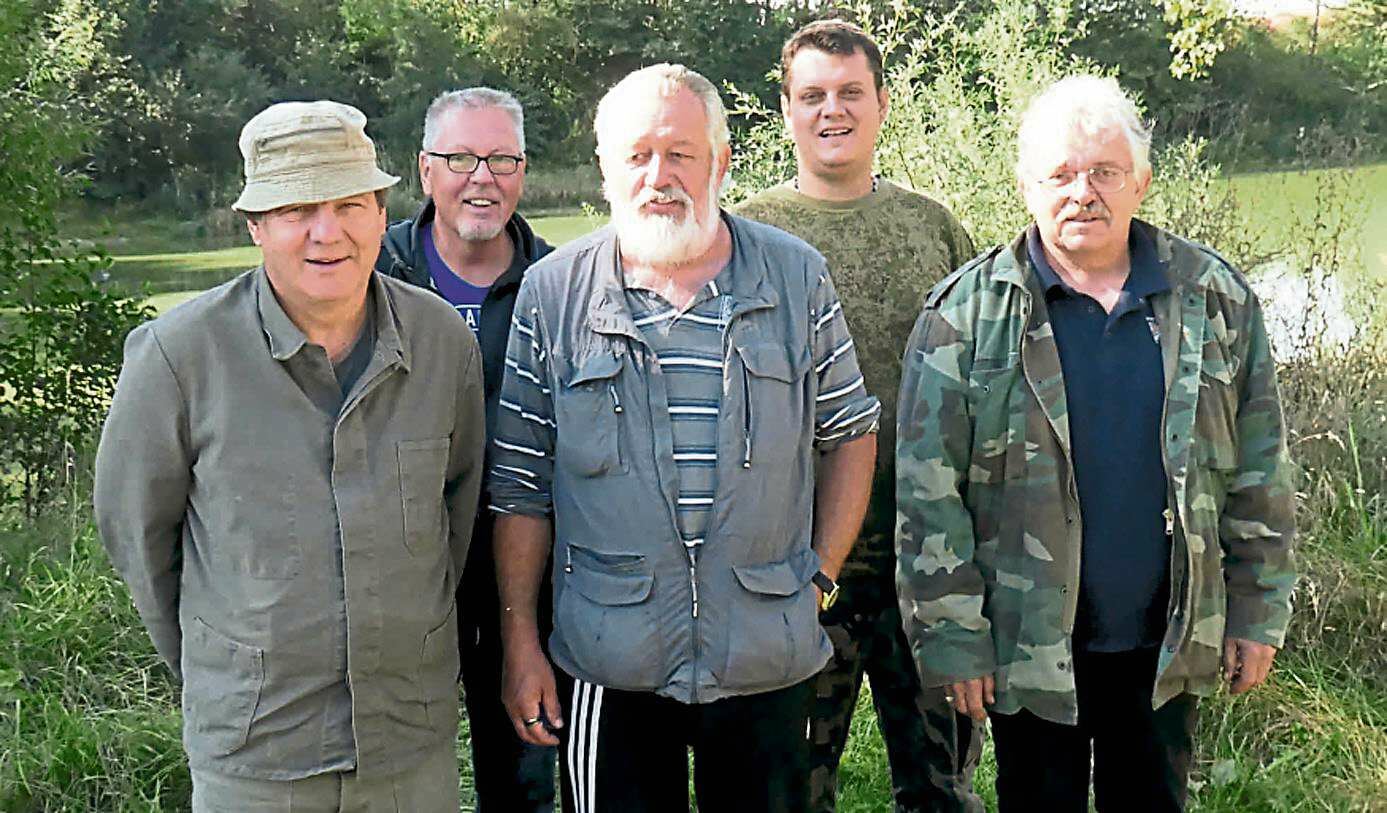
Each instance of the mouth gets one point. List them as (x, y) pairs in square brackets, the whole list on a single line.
[(1085, 217), (662, 207), (326, 263), (480, 203), (835, 132)]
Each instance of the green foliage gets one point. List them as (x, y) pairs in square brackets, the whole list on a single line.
[(60, 334), (1199, 30), (1258, 91)]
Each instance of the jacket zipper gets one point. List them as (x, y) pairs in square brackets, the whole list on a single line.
[(747, 422)]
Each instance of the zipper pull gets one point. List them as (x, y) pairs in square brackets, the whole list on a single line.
[(616, 399), (1169, 522), (568, 564)]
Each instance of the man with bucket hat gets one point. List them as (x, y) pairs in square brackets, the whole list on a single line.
[(287, 480)]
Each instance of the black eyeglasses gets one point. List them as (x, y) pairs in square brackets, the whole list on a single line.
[(465, 163)]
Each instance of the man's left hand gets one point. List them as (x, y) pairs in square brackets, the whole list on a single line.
[(1246, 663)]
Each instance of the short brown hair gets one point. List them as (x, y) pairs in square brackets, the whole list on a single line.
[(838, 37)]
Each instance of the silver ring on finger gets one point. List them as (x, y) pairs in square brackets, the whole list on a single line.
[(531, 721)]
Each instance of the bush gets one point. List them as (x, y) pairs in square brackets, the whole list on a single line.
[(60, 334)]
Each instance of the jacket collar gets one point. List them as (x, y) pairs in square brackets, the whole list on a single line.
[(404, 244), (749, 286), (286, 340), (1013, 264)]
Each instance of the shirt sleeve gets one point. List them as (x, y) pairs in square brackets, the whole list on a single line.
[(843, 409), (521, 474), (143, 476)]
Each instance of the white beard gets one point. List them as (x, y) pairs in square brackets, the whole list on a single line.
[(479, 234), (663, 240)]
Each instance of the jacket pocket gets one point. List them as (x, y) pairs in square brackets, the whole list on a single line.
[(999, 421), (588, 411), (774, 636), (222, 681), (777, 406), (438, 672), (605, 613), (423, 465)]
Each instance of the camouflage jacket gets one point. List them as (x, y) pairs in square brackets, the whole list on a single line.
[(885, 251), (988, 526)]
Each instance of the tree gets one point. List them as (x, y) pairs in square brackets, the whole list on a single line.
[(60, 333)]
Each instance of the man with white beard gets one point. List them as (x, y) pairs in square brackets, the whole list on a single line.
[(683, 416)]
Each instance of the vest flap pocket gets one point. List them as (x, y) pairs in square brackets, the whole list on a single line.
[(611, 579), (777, 578), (596, 367), (774, 361)]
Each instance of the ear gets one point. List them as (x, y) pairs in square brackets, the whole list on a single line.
[(884, 101), (425, 183), (254, 228), (785, 108), (1143, 184), (723, 162)]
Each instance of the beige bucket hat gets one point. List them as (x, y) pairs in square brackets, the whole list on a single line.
[(307, 152)]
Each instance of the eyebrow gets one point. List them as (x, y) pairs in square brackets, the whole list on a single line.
[(848, 84)]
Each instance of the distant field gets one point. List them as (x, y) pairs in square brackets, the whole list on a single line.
[(1284, 198)]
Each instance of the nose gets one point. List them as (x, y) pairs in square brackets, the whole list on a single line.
[(833, 105), (326, 225), (1081, 188), (657, 172), (482, 173)]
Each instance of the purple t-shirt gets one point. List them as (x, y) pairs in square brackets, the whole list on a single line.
[(461, 294)]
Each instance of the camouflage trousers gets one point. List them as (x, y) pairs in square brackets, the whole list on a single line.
[(932, 750)]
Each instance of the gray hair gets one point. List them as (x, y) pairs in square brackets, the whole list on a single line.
[(1087, 105), (664, 80), (473, 99)]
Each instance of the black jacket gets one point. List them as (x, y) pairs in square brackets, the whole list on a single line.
[(402, 257)]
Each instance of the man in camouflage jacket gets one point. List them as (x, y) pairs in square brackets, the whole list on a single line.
[(999, 598)]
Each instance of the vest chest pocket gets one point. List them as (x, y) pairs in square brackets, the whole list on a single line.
[(588, 410), (776, 403)]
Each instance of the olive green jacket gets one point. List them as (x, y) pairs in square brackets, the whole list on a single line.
[(989, 528), (293, 554)]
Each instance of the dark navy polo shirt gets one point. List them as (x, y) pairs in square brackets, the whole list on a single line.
[(1115, 387)]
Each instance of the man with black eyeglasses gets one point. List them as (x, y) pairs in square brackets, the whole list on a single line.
[(469, 246)]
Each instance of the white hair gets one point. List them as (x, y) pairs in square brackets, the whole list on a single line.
[(473, 99), (664, 80), (1083, 105)]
